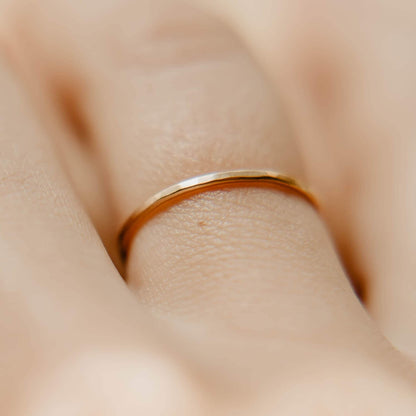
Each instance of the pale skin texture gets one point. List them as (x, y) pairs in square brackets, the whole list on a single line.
[(236, 302)]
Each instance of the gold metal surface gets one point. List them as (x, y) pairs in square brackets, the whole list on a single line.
[(211, 181)]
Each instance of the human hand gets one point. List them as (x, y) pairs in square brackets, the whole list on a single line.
[(238, 303)]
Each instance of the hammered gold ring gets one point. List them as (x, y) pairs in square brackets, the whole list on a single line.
[(211, 181)]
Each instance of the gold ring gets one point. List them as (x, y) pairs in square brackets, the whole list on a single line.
[(192, 186)]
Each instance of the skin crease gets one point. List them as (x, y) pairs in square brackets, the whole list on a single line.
[(237, 303)]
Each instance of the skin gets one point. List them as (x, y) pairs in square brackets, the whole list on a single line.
[(236, 301)]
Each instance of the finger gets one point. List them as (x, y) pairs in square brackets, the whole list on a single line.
[(173, 95), (55, 107), (351, 93), (65, 312)]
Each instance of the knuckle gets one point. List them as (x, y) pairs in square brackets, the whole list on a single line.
[(165, 34), (116, 383)]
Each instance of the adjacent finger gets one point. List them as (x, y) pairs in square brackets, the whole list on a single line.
[(65, 312), (351, 95), (55, 107)]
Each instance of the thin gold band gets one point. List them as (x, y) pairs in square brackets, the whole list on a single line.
[(173, 194)]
